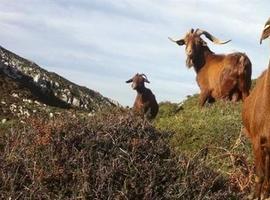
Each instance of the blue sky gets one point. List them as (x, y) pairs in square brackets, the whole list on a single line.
[(102, 43)]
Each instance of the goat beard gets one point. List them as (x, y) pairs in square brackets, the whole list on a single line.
[(189, 62)]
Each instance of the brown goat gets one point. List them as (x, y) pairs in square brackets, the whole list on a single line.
[(256, 120), (218, 76), (145, 102)]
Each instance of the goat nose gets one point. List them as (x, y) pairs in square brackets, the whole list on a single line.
[(189, 52)]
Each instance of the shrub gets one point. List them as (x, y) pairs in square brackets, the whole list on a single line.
[(108, 156)]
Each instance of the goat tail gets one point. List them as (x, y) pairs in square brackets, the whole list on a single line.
[(244, 75), (245, 65)]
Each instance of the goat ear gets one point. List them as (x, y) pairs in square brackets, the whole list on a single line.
[(129, 81), (179, 42)]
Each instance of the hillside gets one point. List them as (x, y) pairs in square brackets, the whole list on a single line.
[(62, 149), (196, 128), (27, 89), (187, 153), (111, 155), (214, 131)]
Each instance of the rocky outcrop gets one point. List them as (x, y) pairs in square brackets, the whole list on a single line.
[(49, 87)]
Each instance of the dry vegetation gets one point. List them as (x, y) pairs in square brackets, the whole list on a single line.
[(111, 155)]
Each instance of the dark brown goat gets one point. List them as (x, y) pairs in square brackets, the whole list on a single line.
[(145, 102), (218, 76), (256, 120)]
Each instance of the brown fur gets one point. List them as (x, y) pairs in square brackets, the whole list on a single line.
[(145, 102), (219, 76), (256, 120)]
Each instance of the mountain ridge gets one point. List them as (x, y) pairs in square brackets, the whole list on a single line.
[(43, 86)]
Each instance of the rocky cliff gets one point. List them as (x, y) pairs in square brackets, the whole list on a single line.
[(25, 81)]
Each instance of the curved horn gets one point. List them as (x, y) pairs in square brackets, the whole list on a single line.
[(211, 37), (266, 31), (145, 78), (173, 40)]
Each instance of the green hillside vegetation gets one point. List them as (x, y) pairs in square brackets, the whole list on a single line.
[(215, 128), (218, 124), (214, 131)]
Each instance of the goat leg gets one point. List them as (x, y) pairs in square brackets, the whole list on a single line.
[(204, 95)]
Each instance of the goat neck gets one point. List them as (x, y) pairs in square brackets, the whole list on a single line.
[(200, 60), (141, 90)]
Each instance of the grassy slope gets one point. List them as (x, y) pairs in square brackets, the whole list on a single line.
[(215, 129)]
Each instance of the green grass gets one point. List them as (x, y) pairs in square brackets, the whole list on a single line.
[(215, 128)]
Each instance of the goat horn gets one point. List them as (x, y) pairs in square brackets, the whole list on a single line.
[(145, 77), (266, 31), (172, 39), (211, 37)]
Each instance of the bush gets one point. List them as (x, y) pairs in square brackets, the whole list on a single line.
[(108, 156)]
